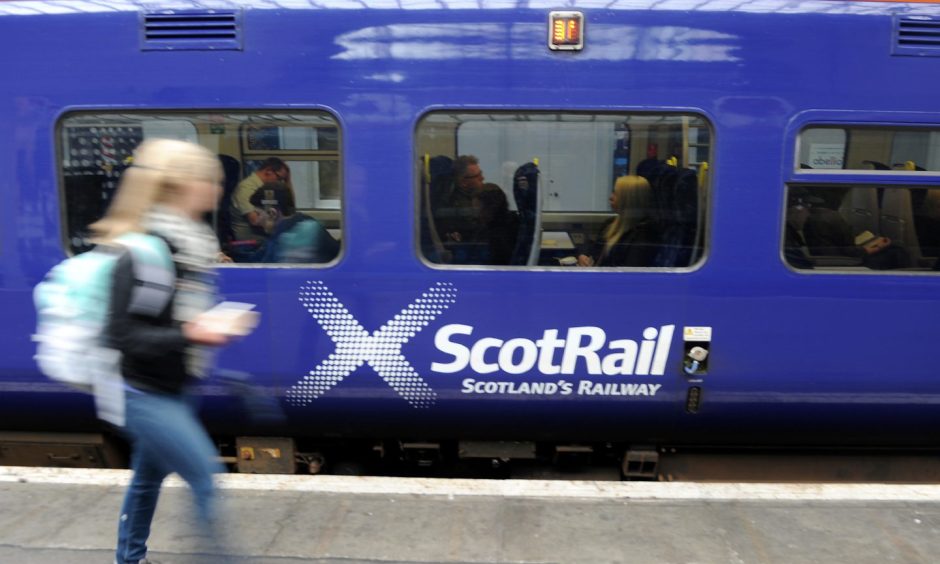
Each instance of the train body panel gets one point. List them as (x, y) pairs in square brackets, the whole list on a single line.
[(796, 358)]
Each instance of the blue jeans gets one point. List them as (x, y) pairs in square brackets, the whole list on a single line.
[(167, 437)]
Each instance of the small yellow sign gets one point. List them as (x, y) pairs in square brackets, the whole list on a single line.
[(566, 31)]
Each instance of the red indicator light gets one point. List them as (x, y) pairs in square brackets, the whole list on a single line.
[(566, 31)]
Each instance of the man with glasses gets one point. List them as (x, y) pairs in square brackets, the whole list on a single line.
[(247, 221), (457, 216)]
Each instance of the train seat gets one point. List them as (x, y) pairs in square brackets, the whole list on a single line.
[(437, 180), (860, 210), (679, 200), (897, 223), (525, 187), (231, 167)]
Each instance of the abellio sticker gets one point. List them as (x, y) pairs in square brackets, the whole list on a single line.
[(461, 349)]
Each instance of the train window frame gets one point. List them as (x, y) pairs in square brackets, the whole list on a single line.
[(207, 116), (502, 114), (795, 177)]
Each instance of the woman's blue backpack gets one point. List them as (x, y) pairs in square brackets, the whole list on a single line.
[(72, 312)]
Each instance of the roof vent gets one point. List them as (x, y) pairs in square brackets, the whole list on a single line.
[(192, 30), (917, 36)]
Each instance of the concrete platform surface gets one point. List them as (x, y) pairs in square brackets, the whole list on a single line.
[(54, 515)]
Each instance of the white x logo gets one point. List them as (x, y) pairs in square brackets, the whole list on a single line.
[(381, 350)]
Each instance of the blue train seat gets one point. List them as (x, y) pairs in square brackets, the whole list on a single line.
[(231, 167), (525, 187), (438, 177)]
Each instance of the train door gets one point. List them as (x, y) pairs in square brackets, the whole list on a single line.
[(596, 319)]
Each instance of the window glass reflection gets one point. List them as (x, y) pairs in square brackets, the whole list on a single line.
[(862, 228), (281, 198), (575, 190), (882, 149)]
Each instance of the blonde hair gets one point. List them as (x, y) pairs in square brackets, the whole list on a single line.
[(631, 202), (160, 169)]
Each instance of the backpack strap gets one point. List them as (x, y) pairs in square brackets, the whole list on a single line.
[(154, 273)]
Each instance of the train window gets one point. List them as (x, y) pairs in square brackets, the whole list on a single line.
[(282, 194), (860, 148), (862, 228), (562, 189)]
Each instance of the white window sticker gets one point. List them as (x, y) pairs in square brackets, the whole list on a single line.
[(697, 334)]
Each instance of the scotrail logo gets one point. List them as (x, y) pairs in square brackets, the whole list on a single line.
[(621, 357), (381, 349), (577, 350)]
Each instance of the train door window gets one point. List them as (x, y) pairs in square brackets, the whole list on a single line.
[(563, 189), (864, 199), (282, 195)]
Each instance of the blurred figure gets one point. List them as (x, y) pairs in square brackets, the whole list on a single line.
[(293, 237), (825, 230), (247, 220), (165, 192), (630, 238), (499, 227), (456, 214), (927, 223), (799, 203)]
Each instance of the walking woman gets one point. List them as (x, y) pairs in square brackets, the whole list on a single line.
[(165, 192)]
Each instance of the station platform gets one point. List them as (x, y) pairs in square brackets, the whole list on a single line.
[(68, 515)]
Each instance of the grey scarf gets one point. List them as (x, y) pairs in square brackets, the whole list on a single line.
[(195, 249)]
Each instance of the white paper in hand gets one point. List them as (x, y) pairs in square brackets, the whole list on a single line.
[(231, 318)]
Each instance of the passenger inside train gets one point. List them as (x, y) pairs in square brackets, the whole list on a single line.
[(497, 226), (247, 221), (300, 150), (456, 210), (631, 238), (795, 249), (874, 215), (472, 219), (827, 233), (291, 237), (885, 223), (561, 168)]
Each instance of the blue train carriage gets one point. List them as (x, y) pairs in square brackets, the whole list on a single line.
[(769, 282)]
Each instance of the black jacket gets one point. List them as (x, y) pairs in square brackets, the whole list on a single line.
[(153, 348), (637, 247)]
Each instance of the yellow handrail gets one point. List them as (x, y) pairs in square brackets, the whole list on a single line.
[(702, 173)]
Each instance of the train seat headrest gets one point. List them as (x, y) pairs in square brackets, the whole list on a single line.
[(802, 197)]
